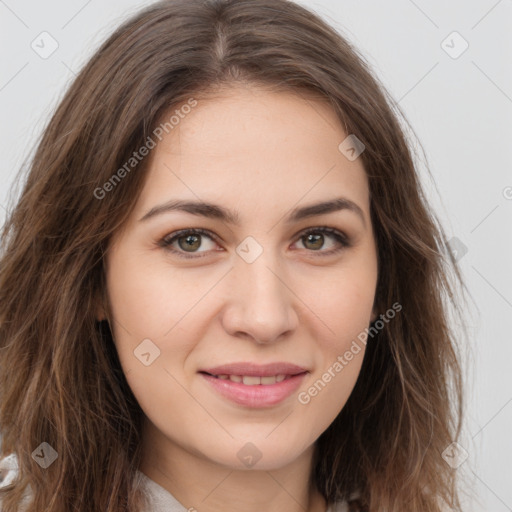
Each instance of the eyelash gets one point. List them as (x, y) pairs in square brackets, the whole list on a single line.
[(168, 240)]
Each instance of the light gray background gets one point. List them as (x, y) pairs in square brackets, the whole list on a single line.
[(460, 108)]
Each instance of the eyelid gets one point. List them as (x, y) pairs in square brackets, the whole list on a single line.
[(343, 240)]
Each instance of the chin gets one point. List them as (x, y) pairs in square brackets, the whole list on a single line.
[(257, 454)]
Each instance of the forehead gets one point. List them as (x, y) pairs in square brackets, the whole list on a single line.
[(253, 147)]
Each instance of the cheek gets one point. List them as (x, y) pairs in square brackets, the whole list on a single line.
[(148, 297), (325, 393), (155, 309), (343, 302), (340, 356), (148, 314)]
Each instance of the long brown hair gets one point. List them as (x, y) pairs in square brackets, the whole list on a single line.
[(60, 379)]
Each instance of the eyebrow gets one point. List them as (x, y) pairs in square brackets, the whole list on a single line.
[(214, 211)]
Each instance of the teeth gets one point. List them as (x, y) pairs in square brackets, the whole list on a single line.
[(251, 380)]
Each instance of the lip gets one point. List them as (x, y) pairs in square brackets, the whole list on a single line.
[(259, 395)]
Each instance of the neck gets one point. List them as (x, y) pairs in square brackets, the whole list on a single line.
[(198, 483)]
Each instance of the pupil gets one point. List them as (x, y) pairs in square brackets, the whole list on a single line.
[(190, 240), (315, 238)]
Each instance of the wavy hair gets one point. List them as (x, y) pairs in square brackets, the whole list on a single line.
[(60, 378)]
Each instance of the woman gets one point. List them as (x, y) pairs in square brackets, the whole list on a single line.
[(234, 283)]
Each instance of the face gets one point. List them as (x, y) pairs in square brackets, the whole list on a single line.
[(235, 323)]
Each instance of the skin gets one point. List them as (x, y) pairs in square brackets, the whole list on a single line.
[(262, 154)]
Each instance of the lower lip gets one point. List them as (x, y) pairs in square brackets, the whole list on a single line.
[(260, 395)]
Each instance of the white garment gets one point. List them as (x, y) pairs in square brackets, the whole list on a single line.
[(160, 499)]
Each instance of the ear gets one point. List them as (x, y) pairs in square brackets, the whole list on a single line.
[(374, 316)]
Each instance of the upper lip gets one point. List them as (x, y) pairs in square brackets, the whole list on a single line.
[(256, 370)]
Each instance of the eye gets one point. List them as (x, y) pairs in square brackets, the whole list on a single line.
[(314, 239), (186, 242)]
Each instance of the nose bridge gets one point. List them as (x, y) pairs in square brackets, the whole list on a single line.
[(261, 304)]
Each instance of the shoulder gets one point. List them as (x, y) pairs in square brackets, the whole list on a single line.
[(339, 506), (8, 473), (352, 505), (8, 469)]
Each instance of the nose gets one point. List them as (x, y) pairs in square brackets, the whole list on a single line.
[(260, 304)]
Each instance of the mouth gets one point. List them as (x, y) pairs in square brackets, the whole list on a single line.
[(253, 385), (252, 380)]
